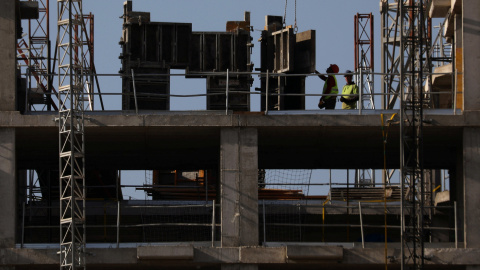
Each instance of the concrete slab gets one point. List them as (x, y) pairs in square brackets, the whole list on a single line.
[(314, 253), (165, 253)]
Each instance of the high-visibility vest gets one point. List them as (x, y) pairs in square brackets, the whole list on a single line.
[(334, 89), (349, 89)]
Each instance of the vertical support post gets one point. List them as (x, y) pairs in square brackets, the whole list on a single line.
[(226, 95), (361, 223), (360, 97), (29, 86), (118, 223), (205, 176), (264, 224), (134, 92), (213, 223), (456, 223), (23, 225), (266, 94)]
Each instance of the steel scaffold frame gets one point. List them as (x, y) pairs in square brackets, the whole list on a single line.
[(37, 56), (414, 64), (71, 82)]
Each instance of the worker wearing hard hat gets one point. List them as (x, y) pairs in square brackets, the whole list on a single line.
[(349, 96), (330, 87)]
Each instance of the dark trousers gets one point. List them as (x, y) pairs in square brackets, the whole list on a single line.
[(330, 103)]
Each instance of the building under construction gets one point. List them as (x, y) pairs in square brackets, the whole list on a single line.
[(213, 201)]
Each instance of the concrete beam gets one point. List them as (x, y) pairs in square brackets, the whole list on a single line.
[(165, 253), (7, 55), (7, 188), (471, 54), (241, 256), (217, 255), (114, 119), (239, 186), (456, 6), (314, 253), (439, 8), (270, 255)]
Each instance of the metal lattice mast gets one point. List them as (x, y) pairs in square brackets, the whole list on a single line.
[(364, 57), (71, 135), (414, 48), (364, 66)]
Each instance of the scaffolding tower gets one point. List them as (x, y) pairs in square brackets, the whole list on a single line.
[(71, 85), (414, 65), (35, 52)]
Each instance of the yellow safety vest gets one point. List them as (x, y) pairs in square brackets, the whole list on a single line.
[(334, 89), (351, 89)]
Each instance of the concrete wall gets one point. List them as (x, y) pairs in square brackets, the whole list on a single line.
[(239, 191), (471, 53), (7, 187), (7, 55)]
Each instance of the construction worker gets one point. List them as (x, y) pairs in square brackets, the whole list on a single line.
[(349, 102), (330, 87)]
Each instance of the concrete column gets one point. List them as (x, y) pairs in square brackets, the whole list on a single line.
[(471, 53), (471, 187), (7, 188), (7, 55), (238, 187)]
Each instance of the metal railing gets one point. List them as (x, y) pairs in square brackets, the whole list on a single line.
[(266, 94), (274, 229), (159, 222)]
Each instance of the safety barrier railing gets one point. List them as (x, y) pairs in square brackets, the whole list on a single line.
[(133, 221), (307, 221), (267, 94), (279, 221)]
